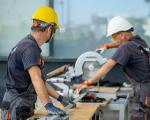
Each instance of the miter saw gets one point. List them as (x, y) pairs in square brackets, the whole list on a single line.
[(65, 76), (85, 66), (88, 63)]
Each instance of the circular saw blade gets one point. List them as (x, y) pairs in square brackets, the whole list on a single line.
[(89, 68), (87, 63)]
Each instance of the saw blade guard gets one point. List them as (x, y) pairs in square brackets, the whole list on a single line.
[(88, 63)]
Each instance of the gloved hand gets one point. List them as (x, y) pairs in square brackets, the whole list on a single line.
[(52, 110), (102, 48), (81, 87), (65, 101)]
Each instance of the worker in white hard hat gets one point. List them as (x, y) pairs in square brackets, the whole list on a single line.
[(112, 30), (132, 56), (25, 79)]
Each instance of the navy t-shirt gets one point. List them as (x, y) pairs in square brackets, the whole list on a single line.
[(133, 60), (24, 55)]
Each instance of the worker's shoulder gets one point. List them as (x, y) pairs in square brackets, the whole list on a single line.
[(124, 45), (128, 44), (26, 43)]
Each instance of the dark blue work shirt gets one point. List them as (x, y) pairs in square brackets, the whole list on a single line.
[(133, 60), (24, 55)]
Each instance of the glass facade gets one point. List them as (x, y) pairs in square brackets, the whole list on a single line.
[(82, 23), (15, 22)]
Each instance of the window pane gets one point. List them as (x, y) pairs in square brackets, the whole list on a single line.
[(16, 21), (83, 23)]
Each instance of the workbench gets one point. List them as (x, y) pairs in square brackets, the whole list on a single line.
[(120, 99), (83, 111)]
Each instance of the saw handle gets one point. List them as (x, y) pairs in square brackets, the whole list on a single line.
[(58, 71)]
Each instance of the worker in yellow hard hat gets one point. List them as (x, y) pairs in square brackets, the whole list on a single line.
[(134, 57), (25, 79)]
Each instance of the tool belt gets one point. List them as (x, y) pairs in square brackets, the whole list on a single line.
[(18, 104), (140, 115), (29, 89)]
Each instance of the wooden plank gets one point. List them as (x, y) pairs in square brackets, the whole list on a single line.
[(126, 89), (83, 111), (104, 89)]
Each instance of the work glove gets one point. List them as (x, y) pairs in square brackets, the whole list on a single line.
[(65, 101), (52, 110), (102, 48), (82, 87)]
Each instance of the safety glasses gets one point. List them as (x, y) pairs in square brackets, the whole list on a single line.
[(114, 36)]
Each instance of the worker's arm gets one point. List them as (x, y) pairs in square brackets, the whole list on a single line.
[(100, 73), (106, 46), (114, 44), (51, 91), (62, 99), (42, 89), (39, 85)]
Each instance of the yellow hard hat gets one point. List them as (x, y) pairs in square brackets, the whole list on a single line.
[(46, 14)]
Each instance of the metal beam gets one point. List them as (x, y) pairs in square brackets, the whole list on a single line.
[(51, 43), (51, 3)]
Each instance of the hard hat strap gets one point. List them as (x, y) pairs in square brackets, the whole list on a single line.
[(37, 23), (53, 30)]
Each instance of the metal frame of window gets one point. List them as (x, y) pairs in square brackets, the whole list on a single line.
[(52, 59), (51, 43)]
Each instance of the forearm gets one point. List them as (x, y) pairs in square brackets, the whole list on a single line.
[(39, 85), (113, 45), (41, 91), (105, 46), (102, 71), (51, 91)]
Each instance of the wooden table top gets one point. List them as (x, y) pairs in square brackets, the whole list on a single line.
[(83, 111)]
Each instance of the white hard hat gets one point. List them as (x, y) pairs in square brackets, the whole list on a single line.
[(118, 24)]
